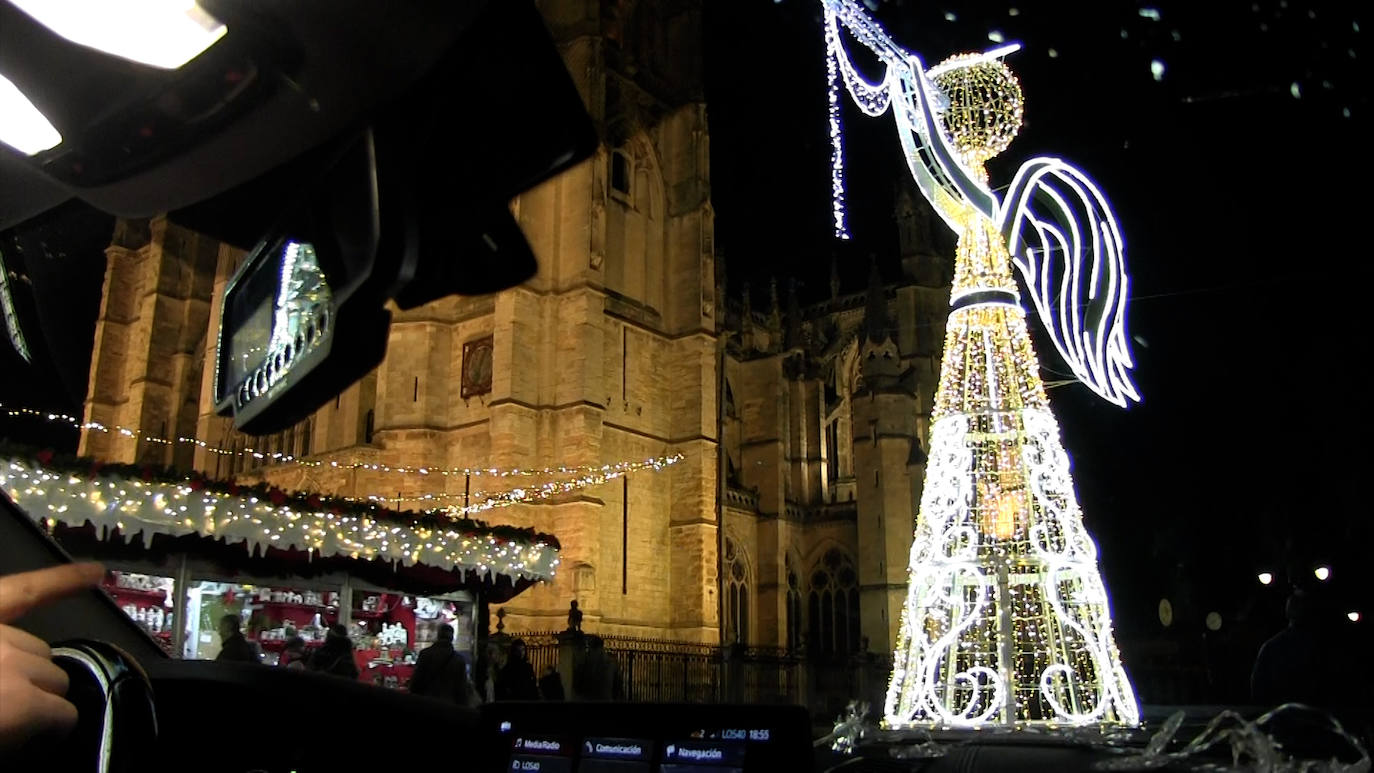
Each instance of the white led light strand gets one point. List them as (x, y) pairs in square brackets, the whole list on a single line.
[(837, 202), (277, 457)]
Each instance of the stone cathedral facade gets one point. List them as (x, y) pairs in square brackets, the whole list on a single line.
[(802, 429)]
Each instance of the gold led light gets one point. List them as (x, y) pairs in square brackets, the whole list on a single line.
[(985, 105)]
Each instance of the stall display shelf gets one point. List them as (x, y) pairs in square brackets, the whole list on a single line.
[(394, 675), (327, 608), (280, 644), (135, 595)]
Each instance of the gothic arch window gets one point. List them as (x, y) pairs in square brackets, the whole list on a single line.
[(853, 370), (644, 193), (584, 580), (622, 171), (736, 594), (833, 605), (832, 450), (794, 606)]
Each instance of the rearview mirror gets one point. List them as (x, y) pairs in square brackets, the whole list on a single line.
[(410, 208)]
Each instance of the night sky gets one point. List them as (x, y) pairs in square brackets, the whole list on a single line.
[(1240, 177)]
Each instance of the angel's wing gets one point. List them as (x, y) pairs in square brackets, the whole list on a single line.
[(1064, 239)]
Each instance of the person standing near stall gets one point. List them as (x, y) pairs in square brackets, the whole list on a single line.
[(335, 656), (233, 645), (440, 672), (293, 655), (516, 680)]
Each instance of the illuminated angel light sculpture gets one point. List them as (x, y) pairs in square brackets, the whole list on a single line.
[(1006, 620)]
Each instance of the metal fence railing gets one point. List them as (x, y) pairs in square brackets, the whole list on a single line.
[(655, 670), (659, 670)]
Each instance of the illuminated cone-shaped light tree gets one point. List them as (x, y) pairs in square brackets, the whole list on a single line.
[(1006, 619)]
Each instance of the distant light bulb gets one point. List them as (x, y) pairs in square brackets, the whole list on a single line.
[(1213, 621), (1323, 573), (1353, 617), (1265, 578)]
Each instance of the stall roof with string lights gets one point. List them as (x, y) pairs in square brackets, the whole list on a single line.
[(116, 512)]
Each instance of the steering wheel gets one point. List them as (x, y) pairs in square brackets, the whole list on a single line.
[(117, 722)]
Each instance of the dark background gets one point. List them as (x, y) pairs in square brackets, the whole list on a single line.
[(1241, 180)]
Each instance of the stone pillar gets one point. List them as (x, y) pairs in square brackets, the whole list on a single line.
[(149, 345), (884, 433)]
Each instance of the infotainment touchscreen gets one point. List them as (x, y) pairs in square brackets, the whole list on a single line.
[(646, 738)]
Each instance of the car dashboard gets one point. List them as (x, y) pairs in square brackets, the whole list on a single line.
[(244, 717)]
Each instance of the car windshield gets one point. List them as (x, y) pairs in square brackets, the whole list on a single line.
[(999, 388)]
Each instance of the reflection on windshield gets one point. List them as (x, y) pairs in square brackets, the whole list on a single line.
[(303, 291), (11, 317)]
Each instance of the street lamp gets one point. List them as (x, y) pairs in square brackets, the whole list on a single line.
[(1265, 578), (1353, 617), (1322, 572)]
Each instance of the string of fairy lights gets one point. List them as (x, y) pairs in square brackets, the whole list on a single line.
[(285, 458), (564, 479), (149, 508)]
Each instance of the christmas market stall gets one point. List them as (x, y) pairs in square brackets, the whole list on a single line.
[(184, 553)]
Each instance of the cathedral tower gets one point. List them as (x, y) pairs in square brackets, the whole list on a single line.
[(888, 463)]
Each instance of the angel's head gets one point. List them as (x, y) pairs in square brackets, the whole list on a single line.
[(983, 104)]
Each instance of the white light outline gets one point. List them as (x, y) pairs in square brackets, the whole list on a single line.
[(979, 58), (945, 549), (1050, 484), (1098, 352)]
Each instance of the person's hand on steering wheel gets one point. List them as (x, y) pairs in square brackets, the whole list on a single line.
[(31, 685)]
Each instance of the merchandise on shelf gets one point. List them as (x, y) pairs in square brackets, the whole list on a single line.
[(146, 599)]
